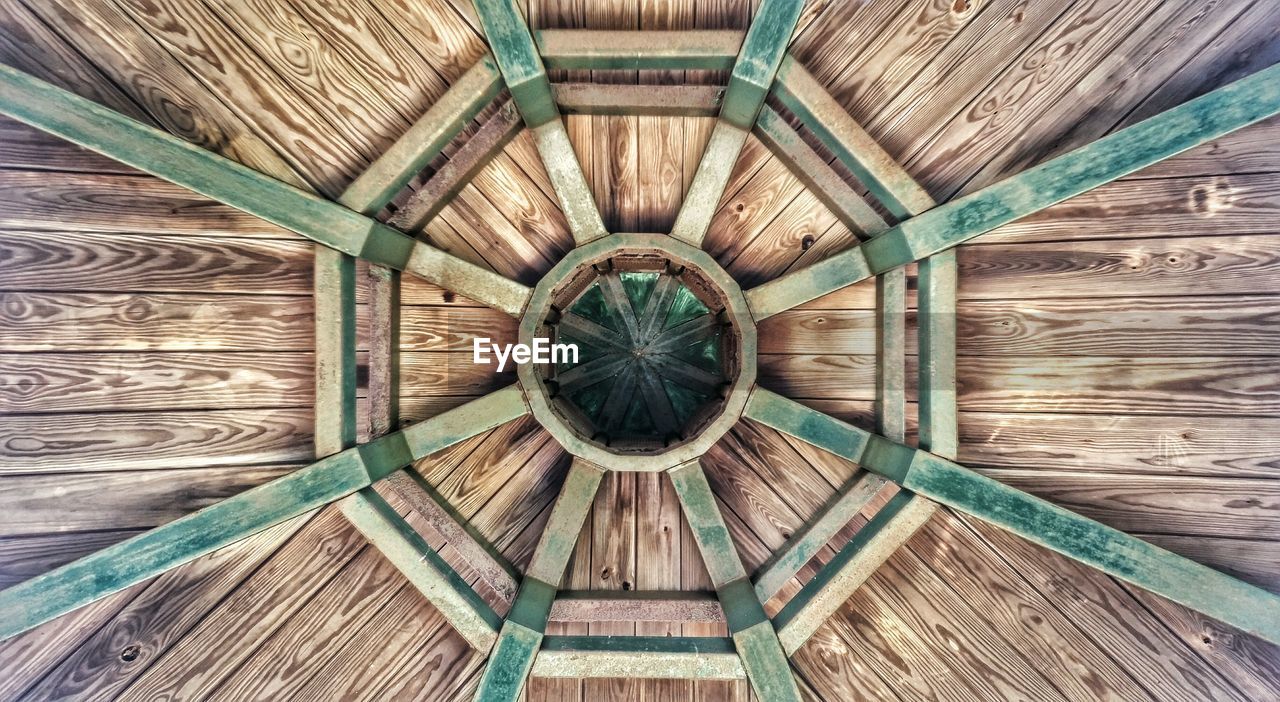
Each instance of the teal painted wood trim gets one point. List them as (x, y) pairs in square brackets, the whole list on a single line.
[(808, 425), (766, 663), (837, 580), (425, 140), (809, 540), (465, 610), (64, 114), (630, 50), (891, 353), (707, 525), (461, 423), (335, 361), (801, 93), (708, 184), (509, 663), (758, 60), (1195, 122), (517, 54), (654, 657), (565, 523), (572, 190), (816, 174), (1169, 575), (939, 432)]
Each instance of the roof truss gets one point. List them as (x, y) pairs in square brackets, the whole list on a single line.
[(924, 232)]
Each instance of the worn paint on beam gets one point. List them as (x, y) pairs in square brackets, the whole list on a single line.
[(425, 140), (1246, 607), (837, 580), (480, 555), (808, 425), (465, 611), (572, 190), (88, 124), (753, 635), (671, 657), (1169, 133), (335, 360), (758, 60), (937, 331), (384, 350), (809, 540), (708, 184), (479, 415), (817, 175), (628, 99), (565, 524), (891, 353), (474, 154), (518, 59), (591, 49)]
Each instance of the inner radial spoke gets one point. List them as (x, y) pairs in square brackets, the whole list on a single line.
[(681, 371), (657, 306), (620, 397), (615, 297), (592, 372), (686, 334), (657, 400), (585, 329)]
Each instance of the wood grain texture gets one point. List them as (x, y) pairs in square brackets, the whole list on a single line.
[(1252, 561), (140, 441), (22, 558), (27, 148)]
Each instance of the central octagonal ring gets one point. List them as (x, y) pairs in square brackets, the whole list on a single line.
[(666, 352)]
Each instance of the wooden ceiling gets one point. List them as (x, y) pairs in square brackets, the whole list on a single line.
[(1116, 352)]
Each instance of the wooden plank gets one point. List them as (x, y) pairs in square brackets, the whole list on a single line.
[(148, 149), (29, 149), (39, 504), (835, 669), (142, 441), (133, 204), (1250, 560), (75, 262), (1207, 117), (89, 381), (419, 562), (873, 544), (690, 658), (1240, 265), (26, 557)]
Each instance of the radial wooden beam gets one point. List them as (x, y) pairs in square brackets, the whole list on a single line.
[(526, 78), (665, 657), (1199, 587), (840, 577), (591, 49), (1195, 122), (465, 611), (93, 126), (76, 584), (752, 632), (753, 71), (521, 635)]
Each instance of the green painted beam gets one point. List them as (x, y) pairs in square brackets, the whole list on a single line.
[(335, 361), (465, 610), (76, 584), (840, 577), (64, 114), (753, 635), (809, 540), (662, 657), (636, 606), (630, 99), (937, 283), (588, 49), (425, 140), (1248, 608), (521, 635), (526, 78), (708, 184), (762, 51), (1169, 133), (753, 71), (891, 353), (1201, 588), (816, 174)]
